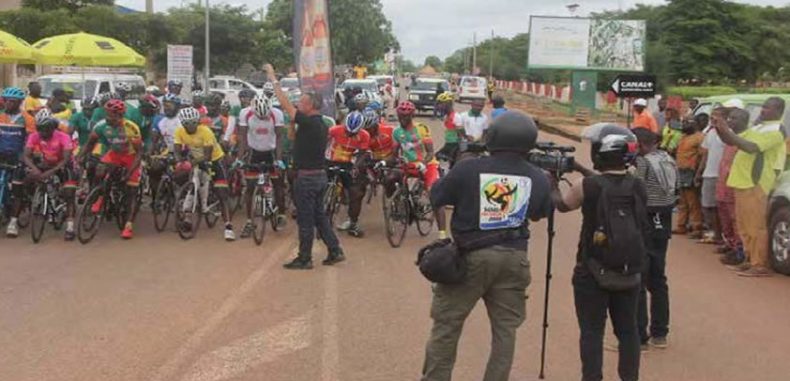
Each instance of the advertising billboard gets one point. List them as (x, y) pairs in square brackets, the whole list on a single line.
[(312, 51), (583, 43)]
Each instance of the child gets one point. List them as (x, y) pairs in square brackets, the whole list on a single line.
[(688, 155)]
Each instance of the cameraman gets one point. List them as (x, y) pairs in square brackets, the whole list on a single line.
[(613, 148), (492, 198)]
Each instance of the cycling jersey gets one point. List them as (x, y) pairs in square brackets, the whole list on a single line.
[(341, 146), (125, 140), (452, 125), (261, 132), (13, 133), (382, 144), (413, 142), (145, 129), (32, 105), (82, 126), (51, 151), (202, 138), (132, 113), (217, 124), (167, 129)]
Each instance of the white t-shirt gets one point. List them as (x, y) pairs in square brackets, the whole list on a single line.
[(261, 133), (473, 126), (167, 128), (715, 147)]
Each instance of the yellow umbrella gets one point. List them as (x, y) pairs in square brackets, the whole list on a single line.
[(15, 50), (84, 49)]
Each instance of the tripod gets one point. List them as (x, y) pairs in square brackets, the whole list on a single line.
[(549, 253)]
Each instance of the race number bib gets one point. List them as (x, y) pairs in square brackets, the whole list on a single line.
[(504, 200)]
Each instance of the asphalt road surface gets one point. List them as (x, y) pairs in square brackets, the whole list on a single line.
[(159, 308)]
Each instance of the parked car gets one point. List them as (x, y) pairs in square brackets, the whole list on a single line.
[(289, 83), (422, 92), (89, 85), (382, 80), (369, 87), (230, 87), (472, 88)]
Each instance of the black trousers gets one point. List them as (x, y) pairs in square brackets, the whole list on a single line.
[(310, 214), (592, 305), (654, 281)]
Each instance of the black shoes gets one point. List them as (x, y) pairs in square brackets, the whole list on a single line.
[(299, 264), (334, 257)]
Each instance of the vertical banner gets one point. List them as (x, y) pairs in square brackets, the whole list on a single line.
[(179, 67), (313, 52)]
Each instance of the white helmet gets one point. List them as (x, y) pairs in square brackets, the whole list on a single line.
[(188, 115), (262, 106), (42, 114), (123, 86)]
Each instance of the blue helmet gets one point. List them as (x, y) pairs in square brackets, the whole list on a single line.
[(375, 105), (13, 93), (371, 117), (354, 122), (171, 98)]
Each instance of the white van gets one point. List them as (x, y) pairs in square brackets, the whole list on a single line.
[(89, 85), (472, 88)]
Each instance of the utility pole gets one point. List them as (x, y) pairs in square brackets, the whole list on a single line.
[(208, 50), (491, 56), (149, 6), (474, 53)]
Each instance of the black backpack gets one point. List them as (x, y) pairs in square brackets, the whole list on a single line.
[(618, 240)]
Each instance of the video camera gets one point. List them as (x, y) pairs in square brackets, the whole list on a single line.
[(552, 157)]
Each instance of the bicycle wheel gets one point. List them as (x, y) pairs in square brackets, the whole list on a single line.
[(24, 215), (188, 214), (120, 209), (329, 202), (212, 214), (59, 209), (235, 193), (38, 218), (422, 211), (396, 217), (258, 216), (88, 221), (163, 203)]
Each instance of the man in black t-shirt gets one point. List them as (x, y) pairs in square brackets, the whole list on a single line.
[(309, 135), (492, 198)]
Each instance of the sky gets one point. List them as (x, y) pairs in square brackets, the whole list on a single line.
[(439, 27)]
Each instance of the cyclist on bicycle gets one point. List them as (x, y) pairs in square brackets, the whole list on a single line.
[(162, 138), (149, 110), (260, 142), (80, 123), (414, 146), (202, 147), (213, 119), (174, 87), (122, 146), (48, 153), (198, 101), (360, 102), (346, 144), (15, 126), (453, 128), (132, 113)]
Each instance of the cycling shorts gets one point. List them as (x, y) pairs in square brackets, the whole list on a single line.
[(125, 161), (259, 157)]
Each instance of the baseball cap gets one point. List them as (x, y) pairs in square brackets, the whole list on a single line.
[(641, 102), (734, 103)]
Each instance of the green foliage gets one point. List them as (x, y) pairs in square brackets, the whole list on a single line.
[(70, 5), (434, 62), (407, 66), (688, 92)]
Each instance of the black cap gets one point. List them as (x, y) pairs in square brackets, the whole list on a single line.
[(512, 131)]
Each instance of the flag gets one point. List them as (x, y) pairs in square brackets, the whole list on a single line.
[(313, 51)]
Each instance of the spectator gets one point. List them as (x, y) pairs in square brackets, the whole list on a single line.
[(672, 134), (688, 157), (660, 115), (499, 106), (760, 157), (33, 101), (693, 103), (707, 176), (659, 174), (642, 118), (737, 120)]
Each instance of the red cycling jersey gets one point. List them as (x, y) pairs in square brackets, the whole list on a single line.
[(341, 146), (382, 145)]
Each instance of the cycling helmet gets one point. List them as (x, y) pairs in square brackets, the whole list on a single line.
[(213, 99), (371, 117), (361, 98), (262, 106), (47, 124), (406, 108), (445, 97), (189, 115), (42, 114), (375, 105), (198, 94), (512, 131), (90, 103), (186, 102), (268, 89), (123, 86), (102, 98), (354, 122), (175, 82), (247, 93), (612, 145), (152, 89), (172, 98), (115, 106), (225, 106), (13, 93), (150, 101)]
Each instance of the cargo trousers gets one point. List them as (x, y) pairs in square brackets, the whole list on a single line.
[(499, 275)]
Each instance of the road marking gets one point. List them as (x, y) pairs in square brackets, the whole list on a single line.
[(330, 352), (168, 370), (244, 354)]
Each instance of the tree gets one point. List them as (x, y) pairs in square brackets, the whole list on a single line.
[(406, 66), (360, 31), (434, 62), (70, 5)]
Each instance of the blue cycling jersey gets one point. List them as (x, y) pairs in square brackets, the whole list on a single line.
[(12, 135)]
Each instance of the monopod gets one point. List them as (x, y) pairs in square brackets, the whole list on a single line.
[(549, 253)]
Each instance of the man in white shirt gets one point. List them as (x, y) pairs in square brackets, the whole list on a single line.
[(474, 122), (260, 129), (708, 175)]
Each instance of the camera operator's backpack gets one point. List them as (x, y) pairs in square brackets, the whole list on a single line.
[(618, 243), (666, 171)]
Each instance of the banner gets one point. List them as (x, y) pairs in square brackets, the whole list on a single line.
[(313, 52), (582, 43), (179, 67)]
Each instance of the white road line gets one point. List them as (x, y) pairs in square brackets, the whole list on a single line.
[(167, 371), (330, 352)]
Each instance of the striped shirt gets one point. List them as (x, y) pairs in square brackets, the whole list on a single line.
[(656, 195)]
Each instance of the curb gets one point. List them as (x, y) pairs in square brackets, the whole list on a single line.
[(557, 131)]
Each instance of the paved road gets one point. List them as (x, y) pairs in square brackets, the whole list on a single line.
[(158, 308)]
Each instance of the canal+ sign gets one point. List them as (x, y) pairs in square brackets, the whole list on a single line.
[(634, 85)]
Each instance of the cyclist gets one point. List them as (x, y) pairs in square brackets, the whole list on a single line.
[(174, 87), (260, 140), (162, 138), (80, 123), (344, 143), (382, 146), (122, 146), (149, 111), (224, 109), (414, 145), (123, 90), (212, 118), (453, 128), (198, 101), (202, 146), (15, 125), (48, 153), (360, 102), (268, 89), (131, 113), (59, 104)]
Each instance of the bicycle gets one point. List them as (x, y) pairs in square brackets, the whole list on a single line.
[(409, 204), (165, 197), (335, 193), (264, 206), (48, 205), (6, 174), (196, 201), (110, 196)]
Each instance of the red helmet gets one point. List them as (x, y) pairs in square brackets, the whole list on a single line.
[(115, 106), (184, 167), (151, 101), (406, 108)]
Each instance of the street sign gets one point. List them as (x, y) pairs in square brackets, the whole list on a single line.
[(634, 86)]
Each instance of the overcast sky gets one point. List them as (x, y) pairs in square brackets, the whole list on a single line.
[(439, 27)]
